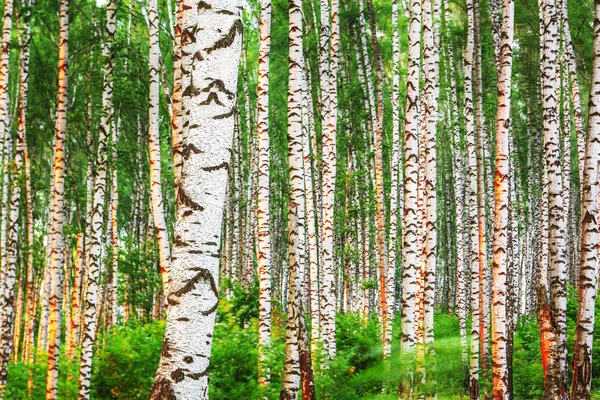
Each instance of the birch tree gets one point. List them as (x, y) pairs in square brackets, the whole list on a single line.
[(58, 209), (557, 267), (96, 223), (588, 266), (209, 98), (410, 224), (501, 213), (6, 280), (263, 220), (158, 211)]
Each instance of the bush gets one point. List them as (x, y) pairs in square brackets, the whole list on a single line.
[(124, 367)]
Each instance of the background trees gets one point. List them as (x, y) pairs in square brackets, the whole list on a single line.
[(389, 227)]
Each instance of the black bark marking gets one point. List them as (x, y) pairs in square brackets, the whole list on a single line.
[(225, 115), (187, 201), (191, 91), (162, 390), (216, 167), (177, 375), (212, 97), (202, 5), (178, 242), (228, 39), (198, 375), (190, 149), (165, 352), (188, 359), (202, 275)]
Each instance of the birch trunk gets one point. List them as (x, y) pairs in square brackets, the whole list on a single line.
[(557, 269), (58, 209), (291, 374), (25, 39), (209, 98), (397, 171), (410, 223), (311, 217), (328, 288), (429, 130), (114, 239), (7, 281), (76, 299), (588, 267), (500, 366), (472, 203), (382, 261), (158, 208), (98, 216), (484, 299), (263, 195)]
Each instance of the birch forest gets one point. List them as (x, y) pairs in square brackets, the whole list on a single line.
[(299, 199)]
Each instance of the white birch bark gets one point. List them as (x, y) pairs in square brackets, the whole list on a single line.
[(263, 241), (98, 216), (410, 224), (557, 268), (6, 279), (473, 258), (500, 367), (158, 207), (328, 287), (58, 209), (209, 82), (588, 268)]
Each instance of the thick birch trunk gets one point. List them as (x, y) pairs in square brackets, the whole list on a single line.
[(208, 100)]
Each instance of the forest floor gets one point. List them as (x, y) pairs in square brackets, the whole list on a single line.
[(127, 357)]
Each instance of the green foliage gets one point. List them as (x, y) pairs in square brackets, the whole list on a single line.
[(19, 375), (127, 357), (124, 367)]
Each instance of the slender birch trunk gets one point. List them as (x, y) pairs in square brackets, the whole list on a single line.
[(557, 268), (6, 281), (311, 214), (58, 209), (263, 195), (95, 246), (382, 261), (569, 55), (291, 374), (25, 39), (588, 267), (158, 208), (500, 367), (176, 120), (410, 224), (472, 203), (209, 98), (328, 300), (484, 299), (429, 130), (76, 299)]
